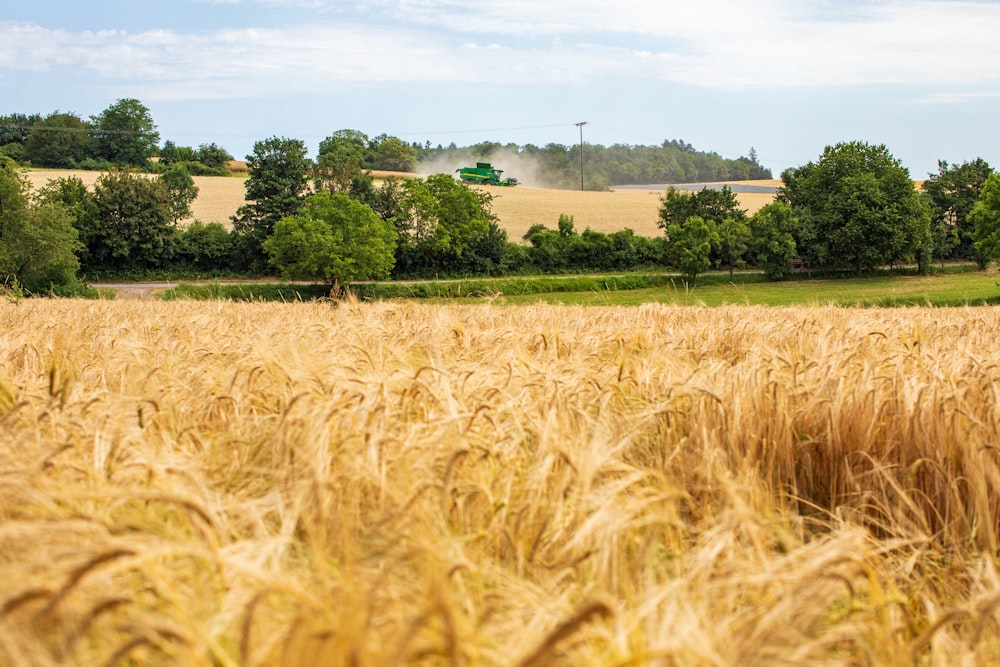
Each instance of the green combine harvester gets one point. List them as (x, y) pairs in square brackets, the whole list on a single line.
[(484, 174)]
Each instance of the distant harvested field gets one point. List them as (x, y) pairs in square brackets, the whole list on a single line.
[(518, 208), (403, 484), (521, 207)]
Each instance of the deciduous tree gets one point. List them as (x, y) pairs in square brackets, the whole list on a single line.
[(275, 189), (59, 140), (73, 196), (689, 245), (37, 240), (124, 133), (953, 192), (985, 218), (334, 238), (136, 231), (180, 190), (861, 206), (340, 160), (772, 240)]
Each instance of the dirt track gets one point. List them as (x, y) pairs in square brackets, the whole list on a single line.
[(133, 291)]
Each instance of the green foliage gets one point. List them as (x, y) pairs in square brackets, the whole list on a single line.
[(953, 192), (275, 189), (554, 251), (124, 134), (59, 140), (558, 165), (205, 247), (860, 206), (689, 245), (443, 226), (340, 160), (15, 152), (15, 128), (207, 160), (985, 219), (180, 190), (38, 243), (711, 204), (734, 239), (73, 196), (335, 239), (171, 153), (772, 240), (136, 231), (390, 154), (214, 156)]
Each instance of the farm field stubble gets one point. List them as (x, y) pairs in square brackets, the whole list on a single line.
[(396, 483), (518, 208)]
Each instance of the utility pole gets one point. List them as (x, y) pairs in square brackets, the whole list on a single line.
[(580, 125)]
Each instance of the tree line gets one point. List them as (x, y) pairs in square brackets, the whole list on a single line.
[(326, 218), (122, 135), (125, 135), (557, 165)]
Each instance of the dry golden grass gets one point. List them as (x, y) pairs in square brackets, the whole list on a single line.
[(396, 483), (518, 208), (218, 196)]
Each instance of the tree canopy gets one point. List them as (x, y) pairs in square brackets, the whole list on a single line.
[(985, 219), (124, 133), (335, 239), (860, 205), (38, 243), (58, 140), (953, 192), (136, 231), (275, 189)]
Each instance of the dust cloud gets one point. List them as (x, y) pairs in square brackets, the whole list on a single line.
[(525, 169)]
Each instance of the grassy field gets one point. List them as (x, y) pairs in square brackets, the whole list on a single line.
[(402, 484), (518, 208), (956, 287), (951, 289)]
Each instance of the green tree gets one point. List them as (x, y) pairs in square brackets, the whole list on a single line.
[(985, 218), (136, 231), (690, 245), (171, 153), (708, 204), (734, 237), (772, 240), (124, 133), (38, 243), (275, 189), (213, 156), (442, 225), (15, 128), (860, 204), (340, 160), (334, 238), (58, 140), (953, 192), (205, 247), (391, 154), (72, 195), (180, 190)]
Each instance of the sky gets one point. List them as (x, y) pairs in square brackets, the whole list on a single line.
[(784, 77)]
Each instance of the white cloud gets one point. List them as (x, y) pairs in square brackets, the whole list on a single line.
[(715, 44)]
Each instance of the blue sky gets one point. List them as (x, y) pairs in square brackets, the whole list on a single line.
[(786, 77)]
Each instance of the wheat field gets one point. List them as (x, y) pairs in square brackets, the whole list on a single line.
[(517, 208), (402, 484)]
